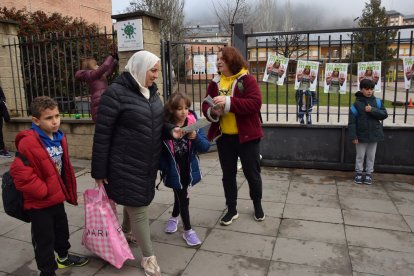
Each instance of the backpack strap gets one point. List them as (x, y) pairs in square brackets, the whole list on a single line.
[(23, 158), (354, 111), (378, 103)]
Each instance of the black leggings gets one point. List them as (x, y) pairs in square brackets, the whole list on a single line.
[(181, 203)]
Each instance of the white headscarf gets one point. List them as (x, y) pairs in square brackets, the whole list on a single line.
[(138, 65)]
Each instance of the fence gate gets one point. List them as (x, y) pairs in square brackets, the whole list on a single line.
[(188, 67)]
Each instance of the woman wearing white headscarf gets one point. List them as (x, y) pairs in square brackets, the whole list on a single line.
[(127, 146)]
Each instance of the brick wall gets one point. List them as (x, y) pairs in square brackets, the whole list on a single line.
[(93, 11)]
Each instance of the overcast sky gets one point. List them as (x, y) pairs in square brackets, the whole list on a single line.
[(345, 8)]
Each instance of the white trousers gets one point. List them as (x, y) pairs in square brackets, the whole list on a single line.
[(365, 150)]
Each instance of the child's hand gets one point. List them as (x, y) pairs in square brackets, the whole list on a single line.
[(178, 133), (368, 108), (192, 135), (355, 141)]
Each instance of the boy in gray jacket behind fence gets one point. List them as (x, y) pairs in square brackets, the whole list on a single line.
[(365, 129)]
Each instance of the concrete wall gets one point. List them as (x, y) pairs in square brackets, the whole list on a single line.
[(328, 147), (79, 134), (10, 74)]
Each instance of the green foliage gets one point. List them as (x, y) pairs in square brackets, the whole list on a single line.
[(373, 44), (51, 48), (38, 22)]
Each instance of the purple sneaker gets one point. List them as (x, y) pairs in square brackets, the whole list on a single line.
[(191, 238), (172, 225)]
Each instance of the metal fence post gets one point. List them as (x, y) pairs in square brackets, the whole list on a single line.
[(239, 39)]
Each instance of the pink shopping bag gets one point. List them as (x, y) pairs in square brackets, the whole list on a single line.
[(102, 233)]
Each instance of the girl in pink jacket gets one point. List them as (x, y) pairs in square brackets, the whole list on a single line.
[(96, 79)]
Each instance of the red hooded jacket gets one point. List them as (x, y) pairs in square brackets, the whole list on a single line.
[(40, 182)]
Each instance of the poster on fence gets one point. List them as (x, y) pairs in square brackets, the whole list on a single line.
[(370, 70), (306, 74), (335, 78), (211, 64), (408, 63), (199, 64), (276, 68)]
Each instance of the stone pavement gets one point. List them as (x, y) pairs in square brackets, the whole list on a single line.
[(318, 223)]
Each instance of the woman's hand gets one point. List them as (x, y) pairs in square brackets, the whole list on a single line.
[(355, 141), (101, 182), (220, 100)]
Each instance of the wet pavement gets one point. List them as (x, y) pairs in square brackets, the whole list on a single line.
[(318, 222)]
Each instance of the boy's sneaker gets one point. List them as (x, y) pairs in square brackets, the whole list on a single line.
[(150, 266), (71, 260), (172, 225), (191, 238), (5, 153), (229, 217), (358, 178), (368, 179)]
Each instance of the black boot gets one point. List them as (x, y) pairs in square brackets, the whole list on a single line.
[(258, 211), (230, 216)]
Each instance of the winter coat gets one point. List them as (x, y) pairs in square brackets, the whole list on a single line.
[(366, 126), (40, 182), (127, 141), (97, 82), (245, 103), (170, 171)]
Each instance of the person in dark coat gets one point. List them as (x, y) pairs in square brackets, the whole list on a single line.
[(127, 146), (3, 108), (365, 129), (96, 79)]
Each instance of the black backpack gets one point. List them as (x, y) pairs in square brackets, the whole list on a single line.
[(12, 198)]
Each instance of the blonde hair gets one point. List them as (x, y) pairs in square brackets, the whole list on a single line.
[(88, 63)]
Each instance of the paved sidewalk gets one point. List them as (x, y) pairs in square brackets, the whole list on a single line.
[(318, 223)]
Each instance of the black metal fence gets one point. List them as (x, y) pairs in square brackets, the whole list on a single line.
[(49, 63), (180, 72), (48, 66), (388, 45)]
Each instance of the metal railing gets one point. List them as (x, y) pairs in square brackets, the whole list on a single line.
[(48, 66), (329, 46)]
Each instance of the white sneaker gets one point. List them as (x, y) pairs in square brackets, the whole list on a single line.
[(150, 266)]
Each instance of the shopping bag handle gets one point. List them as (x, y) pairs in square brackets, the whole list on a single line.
[(101, 194)]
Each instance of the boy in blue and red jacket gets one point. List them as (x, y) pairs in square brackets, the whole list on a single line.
[(46, 183)]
